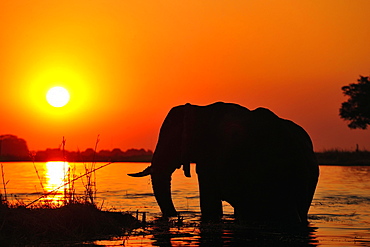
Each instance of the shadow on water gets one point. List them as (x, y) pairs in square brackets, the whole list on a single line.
[(187, 230), (257, 236), (230, 234)]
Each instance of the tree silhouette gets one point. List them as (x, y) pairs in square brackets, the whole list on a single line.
[(357, 108), (13, 148)]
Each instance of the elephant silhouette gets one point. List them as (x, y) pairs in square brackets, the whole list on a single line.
[(262, 165)]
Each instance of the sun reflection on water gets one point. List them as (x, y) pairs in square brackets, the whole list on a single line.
[(56, 181)]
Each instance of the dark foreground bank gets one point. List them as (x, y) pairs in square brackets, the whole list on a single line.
[(75, 224), (70, 223)]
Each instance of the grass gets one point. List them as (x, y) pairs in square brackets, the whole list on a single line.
[(69, 223), (72, 218)]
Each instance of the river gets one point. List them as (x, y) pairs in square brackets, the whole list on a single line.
[(339, 215)]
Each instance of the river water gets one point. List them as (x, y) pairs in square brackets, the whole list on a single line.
[(339, 215)]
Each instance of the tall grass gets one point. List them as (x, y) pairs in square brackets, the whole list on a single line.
[(88, 180), (70, 193), (4, 198), (90, 184), (75, 218)]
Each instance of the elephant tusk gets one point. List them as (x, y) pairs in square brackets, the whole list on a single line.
[(147, 171)]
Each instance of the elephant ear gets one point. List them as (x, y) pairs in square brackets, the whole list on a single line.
[(187, 137)]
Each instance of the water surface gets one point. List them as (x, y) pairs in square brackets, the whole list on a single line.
[(339, 215)]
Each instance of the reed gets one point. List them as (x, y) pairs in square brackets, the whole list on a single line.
[(72, 222), (4, 198), (76, 219), (90, 183)]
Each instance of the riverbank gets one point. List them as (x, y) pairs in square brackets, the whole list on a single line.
[(75, 222), (344, 158)]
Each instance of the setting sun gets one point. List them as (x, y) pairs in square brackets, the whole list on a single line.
[(57, 96)]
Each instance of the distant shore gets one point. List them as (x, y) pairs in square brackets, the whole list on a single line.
[(341, 164), (89, 155), (328, 158), (344, 158)]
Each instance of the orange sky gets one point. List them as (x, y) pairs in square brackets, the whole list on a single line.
[(126, 63)]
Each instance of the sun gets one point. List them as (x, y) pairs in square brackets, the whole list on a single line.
[(57, 96)]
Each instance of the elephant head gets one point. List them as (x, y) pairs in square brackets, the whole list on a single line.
[(172, 152)]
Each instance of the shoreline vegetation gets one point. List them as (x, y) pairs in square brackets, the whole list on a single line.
[(89, 155), (330, 157), (70, 223), (335, 157), (14, 149), (61, 215)]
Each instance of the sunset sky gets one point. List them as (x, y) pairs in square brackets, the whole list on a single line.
[(126, 63)]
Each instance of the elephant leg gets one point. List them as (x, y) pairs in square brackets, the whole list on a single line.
[(210, 197)]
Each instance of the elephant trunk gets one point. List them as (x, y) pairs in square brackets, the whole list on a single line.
[(162, 192)]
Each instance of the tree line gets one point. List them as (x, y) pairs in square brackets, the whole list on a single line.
[(13, 148)]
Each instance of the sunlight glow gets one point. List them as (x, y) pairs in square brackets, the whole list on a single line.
[(55, 173), (57, 96), (55, 179), (39, 81)]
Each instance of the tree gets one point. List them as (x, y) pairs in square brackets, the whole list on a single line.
[(13, 148), (357, 108)]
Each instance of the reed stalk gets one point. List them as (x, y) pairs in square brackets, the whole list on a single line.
[(90, 185), (38, 176), (63, 144), (74, 179), (77, 219), (4, 185)]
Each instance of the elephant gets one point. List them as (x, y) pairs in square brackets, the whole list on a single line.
[(262, 165)]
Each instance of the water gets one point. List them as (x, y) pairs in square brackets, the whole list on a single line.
[(339, 215)]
